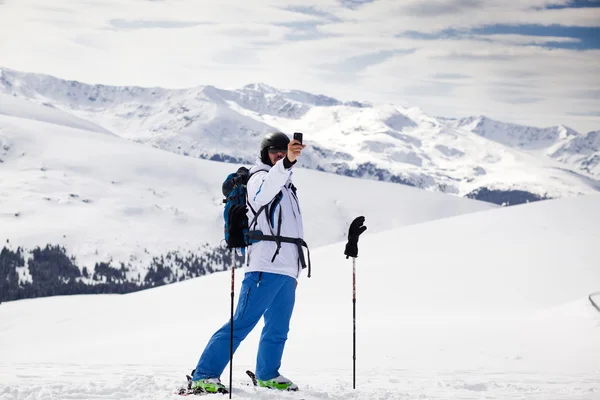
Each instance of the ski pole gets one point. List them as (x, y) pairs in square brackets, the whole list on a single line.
[(231, 323), (354, 323), (356, 229)]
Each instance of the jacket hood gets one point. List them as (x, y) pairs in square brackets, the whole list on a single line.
[(259, 166)]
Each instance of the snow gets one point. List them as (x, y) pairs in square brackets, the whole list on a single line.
[(18, 107), (483, 305), (455, 298), (514, 135), (583, 151)]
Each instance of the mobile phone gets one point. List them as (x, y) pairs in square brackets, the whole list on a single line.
[(298, 136)]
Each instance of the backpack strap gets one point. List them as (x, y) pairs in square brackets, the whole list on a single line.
[(269, 207), (256, 214), (278, 236)]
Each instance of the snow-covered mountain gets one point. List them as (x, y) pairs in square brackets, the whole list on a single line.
[(121, 209), (582, 151), (474, 157), (559, 142)]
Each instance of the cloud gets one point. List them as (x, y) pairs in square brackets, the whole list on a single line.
[(585, 114), (414, 15), (308, 30), (359, 63), (470, 56), (513, 96), (354, 4), (143, 24), (304, 31), (313, 11), (430, 88), (441, 8), (526, 39), (588, 94), (535, 60), (449, 76)]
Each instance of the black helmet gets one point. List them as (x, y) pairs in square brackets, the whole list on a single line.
[(272, 140)]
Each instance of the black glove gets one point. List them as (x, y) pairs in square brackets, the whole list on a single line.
[(355, 230), (237, 224)]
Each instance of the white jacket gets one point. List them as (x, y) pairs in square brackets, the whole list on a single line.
[(264, 184)]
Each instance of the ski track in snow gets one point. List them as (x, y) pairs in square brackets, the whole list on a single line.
[(72, 381)]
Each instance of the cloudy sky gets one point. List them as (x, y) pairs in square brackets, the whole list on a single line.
[(529, 61)]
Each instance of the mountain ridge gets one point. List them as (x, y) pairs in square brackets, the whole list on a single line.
[(385, 142)]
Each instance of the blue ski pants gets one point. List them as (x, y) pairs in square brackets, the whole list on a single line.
[(262, 294)]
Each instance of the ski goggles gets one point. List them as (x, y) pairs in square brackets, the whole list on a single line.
[(277, 149)]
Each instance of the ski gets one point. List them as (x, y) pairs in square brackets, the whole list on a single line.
[(188, 392), (253, 377)]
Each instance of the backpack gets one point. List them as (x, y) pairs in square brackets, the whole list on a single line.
[(234, 189), (235, 192)]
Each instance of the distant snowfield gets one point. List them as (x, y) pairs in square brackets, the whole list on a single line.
[(106, 198), (484, 305)]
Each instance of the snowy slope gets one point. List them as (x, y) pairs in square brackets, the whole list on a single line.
[(104, 198), (485, 305), (19, 107), (580, 151), (384, 142), (513, 135)]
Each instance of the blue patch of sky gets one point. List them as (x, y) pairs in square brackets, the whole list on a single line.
[(575, 4), (354, 4), (586, 37), (306, 30), (443, 34)]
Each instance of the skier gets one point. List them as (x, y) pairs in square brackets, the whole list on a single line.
[(269, 285)]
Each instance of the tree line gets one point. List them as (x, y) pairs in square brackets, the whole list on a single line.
[(50, 271)]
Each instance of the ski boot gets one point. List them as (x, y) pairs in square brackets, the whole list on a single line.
[(279, 383), (210, 385)]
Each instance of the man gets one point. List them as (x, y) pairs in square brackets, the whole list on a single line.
[(275, 260)]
